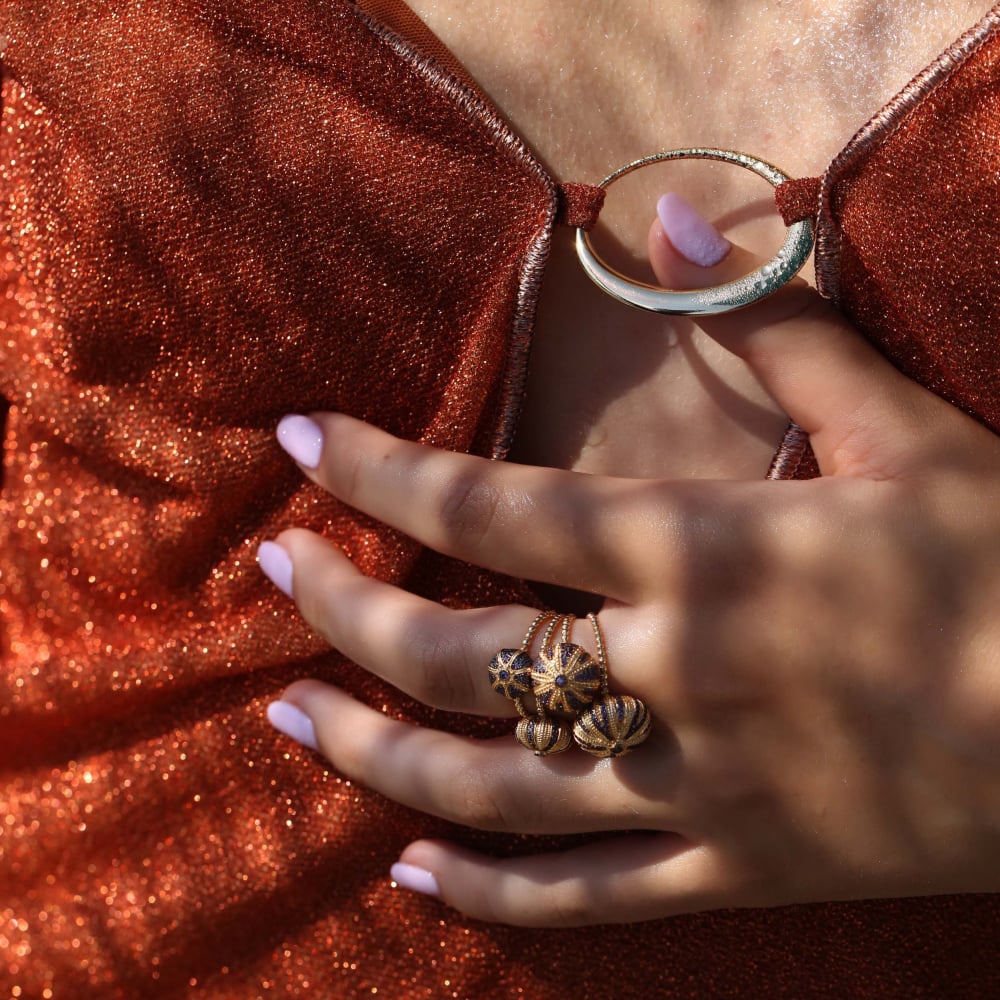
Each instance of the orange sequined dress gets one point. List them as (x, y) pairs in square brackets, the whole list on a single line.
[(217, 213)]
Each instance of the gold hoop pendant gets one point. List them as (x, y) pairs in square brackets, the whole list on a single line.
[(744, 291)]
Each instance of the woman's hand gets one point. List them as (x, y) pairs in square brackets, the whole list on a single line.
[(821, 659)]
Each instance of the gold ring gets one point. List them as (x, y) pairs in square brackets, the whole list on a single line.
[(510, 669), (538, 733), (565, 678), (616, 723)]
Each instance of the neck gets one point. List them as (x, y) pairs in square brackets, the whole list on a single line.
[(591, 85)]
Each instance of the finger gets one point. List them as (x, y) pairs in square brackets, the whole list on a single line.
[(638, 877), (564, 528), (434, 654), (856, 407), (488, 784), (694, 254)]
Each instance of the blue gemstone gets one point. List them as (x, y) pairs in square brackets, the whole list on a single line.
[(560, 681)]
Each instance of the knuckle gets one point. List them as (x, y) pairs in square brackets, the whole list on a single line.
[(571, 904), (564, 905), (798, 303), (485, 804), (717, 689), (468, 508), (437, 665), (484, 905), (315, 604), (731, 783), (347, 476)]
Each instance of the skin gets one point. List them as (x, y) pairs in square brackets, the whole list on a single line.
[(819, 658), (594, 85)]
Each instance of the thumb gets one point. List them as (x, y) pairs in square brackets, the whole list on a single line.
[(860, 412)]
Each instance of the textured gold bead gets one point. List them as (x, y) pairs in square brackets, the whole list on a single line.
[(565, 678), (510, 673), (543, 736), (613, 726)]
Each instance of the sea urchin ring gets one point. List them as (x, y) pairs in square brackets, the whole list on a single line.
[(538, 733), (613, 726), (542, 735), (510, 673), (616, 723), (510, 669), (565, 678), (732, 295)]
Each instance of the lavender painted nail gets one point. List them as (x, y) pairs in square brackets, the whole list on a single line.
[(276, 565), (692, 236), (302, 439), (293, 722), (415, 879)]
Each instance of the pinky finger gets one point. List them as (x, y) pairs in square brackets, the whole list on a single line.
[(620, 880)]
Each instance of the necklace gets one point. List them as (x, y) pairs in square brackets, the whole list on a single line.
[(752, 287)]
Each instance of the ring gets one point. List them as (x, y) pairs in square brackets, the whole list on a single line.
[(510, 669), (538, 733), (510, 675), (723, 298), (565, 678), (615, 724)]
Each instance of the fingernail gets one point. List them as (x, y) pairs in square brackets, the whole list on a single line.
[(415, 879), (293, 722), (693, 237), (302, 439), (276, 565)]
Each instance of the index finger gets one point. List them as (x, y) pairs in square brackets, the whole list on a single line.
[(819, 369)]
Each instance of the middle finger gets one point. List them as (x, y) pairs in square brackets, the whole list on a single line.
[(432, 653)]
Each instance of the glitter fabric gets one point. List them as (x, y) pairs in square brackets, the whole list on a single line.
[(907, 233), (908, 229), (215, 214)]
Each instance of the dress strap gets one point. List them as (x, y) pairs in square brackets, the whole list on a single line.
[(798, 199), (399, 18)]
